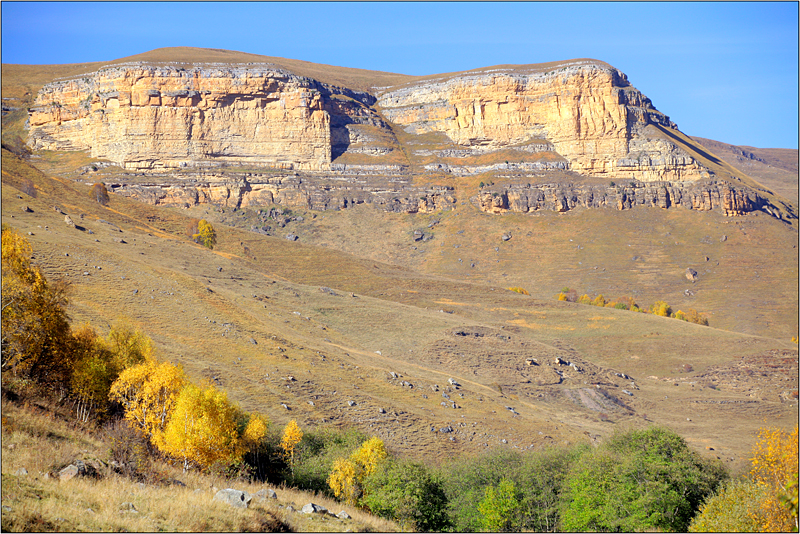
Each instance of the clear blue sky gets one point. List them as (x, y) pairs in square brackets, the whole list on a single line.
[(725, 71)]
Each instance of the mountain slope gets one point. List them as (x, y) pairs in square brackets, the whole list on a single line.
[(313, 328)]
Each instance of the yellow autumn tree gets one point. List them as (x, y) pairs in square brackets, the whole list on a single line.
[(661, 309), (206, 235), (94, 371), (343, 480), (202, 429), (520, 290), (255, 430), (149, 392), (370, 455), (348, 475), (775, 467), (36, 336), (291, 437), (131, 345)]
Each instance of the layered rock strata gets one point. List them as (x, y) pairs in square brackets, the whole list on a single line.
[(702, 196), (586, 109), (342, 188), (156, 117), (256, 134)]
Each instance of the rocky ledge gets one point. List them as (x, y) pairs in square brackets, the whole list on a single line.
[(702, 196)]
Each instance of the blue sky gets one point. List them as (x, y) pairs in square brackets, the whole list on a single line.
[(725, 71)]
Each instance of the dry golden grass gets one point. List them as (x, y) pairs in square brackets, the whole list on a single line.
[(775, 168), (38, 501), (410, 297), (409, 303)]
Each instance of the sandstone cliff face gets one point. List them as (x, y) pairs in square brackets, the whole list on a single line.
[(587, 110), (149, 117), (217, 123)]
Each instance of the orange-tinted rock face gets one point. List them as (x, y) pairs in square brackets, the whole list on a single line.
[(588, 111), (145, 117)]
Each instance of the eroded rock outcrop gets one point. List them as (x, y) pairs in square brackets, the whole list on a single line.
[(585, 108), (702, 196), (248, 135), (389, 187), (155, 117)]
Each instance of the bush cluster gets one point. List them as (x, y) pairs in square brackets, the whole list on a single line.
[(659, 307)]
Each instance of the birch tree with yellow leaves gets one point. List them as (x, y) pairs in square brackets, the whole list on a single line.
[(205, 429), (149, 392), (348, 475), (37, 341), (292, 435)]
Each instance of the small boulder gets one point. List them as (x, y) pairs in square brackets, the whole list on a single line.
[(26, 209), (266, 493), (236, 498), (343, 515), (21, 472), (291, 237), (68, 473), (312, 508), (691, 274)]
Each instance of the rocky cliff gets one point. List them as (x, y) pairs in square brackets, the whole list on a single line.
[(702, 196), (341, 188), (586, 109), (154, 117), (255, 134)]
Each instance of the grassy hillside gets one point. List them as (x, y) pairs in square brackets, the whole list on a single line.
[(257, 310), (776, 168), (37, 444), (356, 324)]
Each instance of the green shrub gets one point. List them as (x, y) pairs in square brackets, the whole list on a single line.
[(636, 481), (500, 507), (409, 493), (735, 507), (540, 481), (465, 484), (316, 453)]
